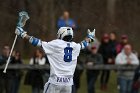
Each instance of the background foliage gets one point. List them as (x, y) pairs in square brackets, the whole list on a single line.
[(121, 16)]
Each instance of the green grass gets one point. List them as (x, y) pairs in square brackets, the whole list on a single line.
[(112, 86)]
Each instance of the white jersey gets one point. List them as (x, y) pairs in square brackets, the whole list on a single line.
[(62, 57)]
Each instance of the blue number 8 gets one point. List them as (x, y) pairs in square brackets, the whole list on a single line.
[(68, 54)]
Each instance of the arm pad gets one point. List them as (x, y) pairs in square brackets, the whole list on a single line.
[(84, 44), (35, 41)]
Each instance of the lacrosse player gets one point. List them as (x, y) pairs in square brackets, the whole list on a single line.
[(62, 54)]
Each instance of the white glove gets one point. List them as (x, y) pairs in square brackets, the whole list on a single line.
[(20, 32), (91, 35)]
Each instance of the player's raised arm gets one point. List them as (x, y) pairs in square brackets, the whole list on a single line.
[(23, 34), (89, 39)]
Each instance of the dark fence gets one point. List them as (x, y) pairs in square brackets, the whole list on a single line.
[(79, 67)]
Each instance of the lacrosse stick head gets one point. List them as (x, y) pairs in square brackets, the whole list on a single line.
[(23, 17)]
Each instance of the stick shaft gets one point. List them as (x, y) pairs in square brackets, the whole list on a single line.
[(8, 61)]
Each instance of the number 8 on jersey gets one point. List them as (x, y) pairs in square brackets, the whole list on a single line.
[(68, 53)]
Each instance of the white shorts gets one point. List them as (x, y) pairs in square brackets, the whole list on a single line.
[(51, 88)]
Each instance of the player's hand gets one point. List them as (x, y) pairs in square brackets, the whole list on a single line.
[(20, 32), (91, 35)]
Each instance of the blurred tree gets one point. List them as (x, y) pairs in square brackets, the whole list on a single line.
[(121, 16)]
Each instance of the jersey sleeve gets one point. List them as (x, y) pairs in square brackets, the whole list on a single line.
[(47, 47)]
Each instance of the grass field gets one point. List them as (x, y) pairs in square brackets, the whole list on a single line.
[(112, 88)]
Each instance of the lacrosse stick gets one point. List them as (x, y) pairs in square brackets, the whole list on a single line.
[(23, 17)]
